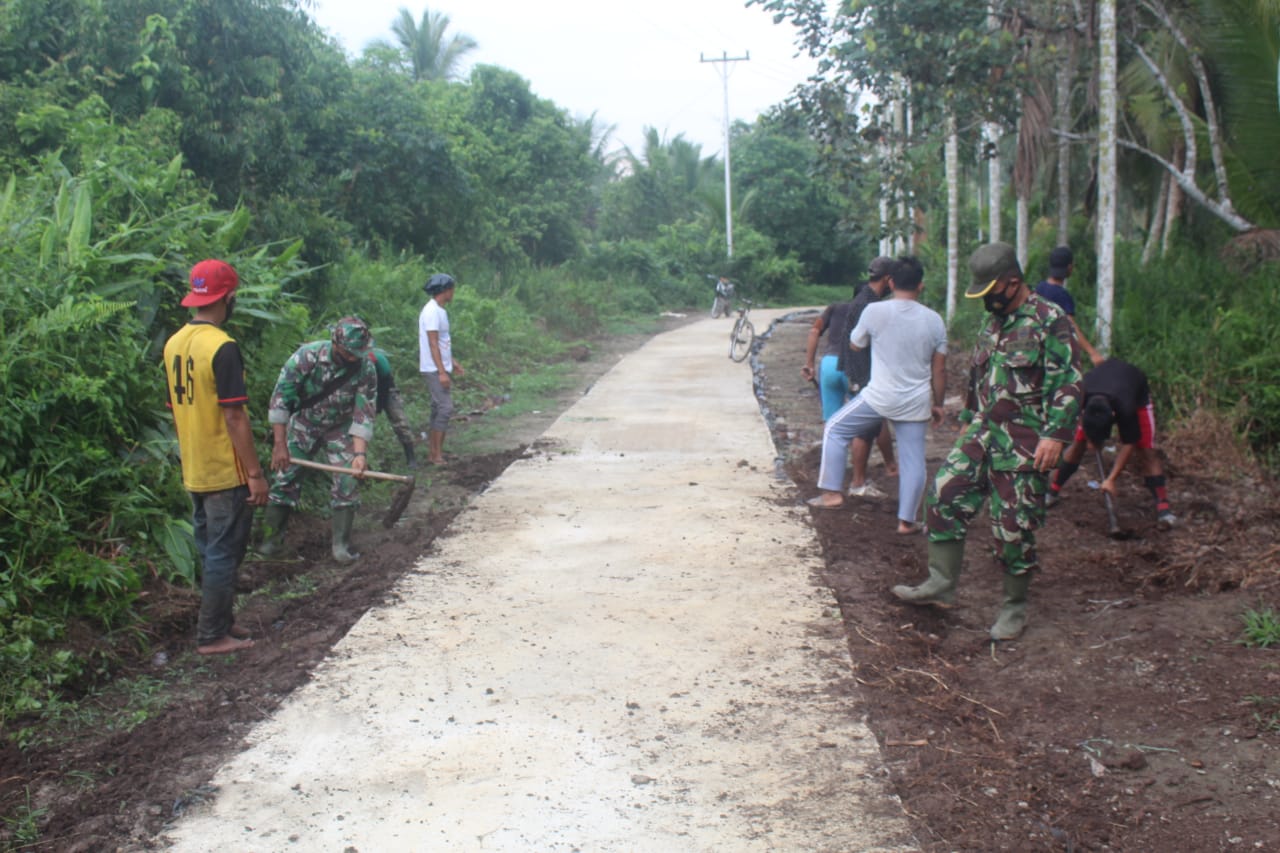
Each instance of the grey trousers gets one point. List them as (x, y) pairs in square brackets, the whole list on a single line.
[(441, 402)]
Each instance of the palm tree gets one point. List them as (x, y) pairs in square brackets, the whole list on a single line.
[(429, 53)]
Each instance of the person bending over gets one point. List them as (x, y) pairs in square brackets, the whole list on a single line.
[(1116, 393)]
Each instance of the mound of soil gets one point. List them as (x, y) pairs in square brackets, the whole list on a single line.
[(1127, 717)]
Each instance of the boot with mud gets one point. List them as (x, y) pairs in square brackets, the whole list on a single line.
[(1013, 613), (274, 523), (939, 589), (343, 518)]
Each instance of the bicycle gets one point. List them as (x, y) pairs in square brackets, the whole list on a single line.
[(743, 334)]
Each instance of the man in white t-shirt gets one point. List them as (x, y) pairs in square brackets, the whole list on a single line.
[(908, 380), (436, 361)]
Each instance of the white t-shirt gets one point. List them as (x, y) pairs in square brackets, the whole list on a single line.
[(434, 319), (903, 335)]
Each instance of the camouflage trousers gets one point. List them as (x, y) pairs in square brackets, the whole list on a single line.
[(305, 442), (1016, 503), (399, 422)]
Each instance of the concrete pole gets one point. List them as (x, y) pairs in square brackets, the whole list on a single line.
[(724, 61)]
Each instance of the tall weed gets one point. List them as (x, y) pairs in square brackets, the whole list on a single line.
[(99, 237), (1205, 337)]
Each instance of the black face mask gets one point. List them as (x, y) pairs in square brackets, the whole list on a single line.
[(996, 303)]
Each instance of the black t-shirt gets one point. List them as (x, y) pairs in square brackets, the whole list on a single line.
[(1126, 388), (856, 364), (835, 319)]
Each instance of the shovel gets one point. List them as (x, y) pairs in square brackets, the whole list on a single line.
[(399, 503), (1113, 525)]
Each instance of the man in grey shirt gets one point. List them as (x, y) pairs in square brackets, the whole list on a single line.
[(906, 388)]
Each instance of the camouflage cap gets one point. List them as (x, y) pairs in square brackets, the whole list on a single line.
[(987, 264), (351, 333)]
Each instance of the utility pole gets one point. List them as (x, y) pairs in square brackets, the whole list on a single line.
[(724, 61)]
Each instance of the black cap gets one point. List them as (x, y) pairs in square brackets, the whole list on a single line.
[(438, 283), (1060, 260), (880, 267)]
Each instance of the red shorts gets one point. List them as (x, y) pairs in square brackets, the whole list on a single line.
[(1146, 419)]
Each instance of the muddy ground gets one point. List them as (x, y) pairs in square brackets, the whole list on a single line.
[(1127, 718)]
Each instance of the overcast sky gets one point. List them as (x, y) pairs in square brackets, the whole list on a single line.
[(632, 64)]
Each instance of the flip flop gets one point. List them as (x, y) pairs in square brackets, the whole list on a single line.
[(866, 490), (818, 503)]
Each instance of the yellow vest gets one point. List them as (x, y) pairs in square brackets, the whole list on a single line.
[(209, 462)]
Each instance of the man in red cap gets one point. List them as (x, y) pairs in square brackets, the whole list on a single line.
[(220, 466)]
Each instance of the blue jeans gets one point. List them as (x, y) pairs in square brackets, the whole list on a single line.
[(221, 521), (833, 385)]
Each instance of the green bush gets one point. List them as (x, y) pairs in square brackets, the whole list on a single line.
[(1205, 336), (99, 238)]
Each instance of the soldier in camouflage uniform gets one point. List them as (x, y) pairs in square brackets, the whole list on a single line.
[(325, 401), (1024, 397)]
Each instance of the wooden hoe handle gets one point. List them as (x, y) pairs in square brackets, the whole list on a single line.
[(338, 469)]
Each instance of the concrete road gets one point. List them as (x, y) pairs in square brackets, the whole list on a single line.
[(620, 646)]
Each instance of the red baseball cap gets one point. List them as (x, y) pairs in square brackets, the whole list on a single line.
[(210, 281)]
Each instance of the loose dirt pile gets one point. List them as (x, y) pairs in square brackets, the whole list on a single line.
[(1128, 717)]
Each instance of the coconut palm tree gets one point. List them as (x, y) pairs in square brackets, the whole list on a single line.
[(429, 52)]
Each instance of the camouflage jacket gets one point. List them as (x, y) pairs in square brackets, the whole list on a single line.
[(306, 373), (1024, 384)]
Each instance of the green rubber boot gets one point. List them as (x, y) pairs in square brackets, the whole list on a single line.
[(939, 589), (1013, 613), (343, 518), (273, 526)]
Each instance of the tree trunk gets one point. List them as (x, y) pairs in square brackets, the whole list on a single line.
[(1107, 111), (1020, 180), (886, 246), (977, 195), (1156, 228), (1063, 122), (991, 133), (917, 235), (900, 206), (952, 160), (1174, 209), (1023, 228)]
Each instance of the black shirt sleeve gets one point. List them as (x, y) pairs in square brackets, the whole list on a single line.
[(228, 375)]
